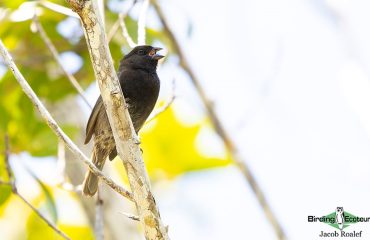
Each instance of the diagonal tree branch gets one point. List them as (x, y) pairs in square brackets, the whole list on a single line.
[(11, 182), (117, 23), (50, 224), (55, 54), (127, 143), (8, 170), (54, 126), (57, 8), (166, 106), (238, 160), (125, 33), (141, 23), (99, 220), (99, 223)]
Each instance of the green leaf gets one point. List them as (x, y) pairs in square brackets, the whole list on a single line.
[(169, 148), (27, 131), (5, 193)]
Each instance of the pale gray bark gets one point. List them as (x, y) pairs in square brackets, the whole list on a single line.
[(127, 143)]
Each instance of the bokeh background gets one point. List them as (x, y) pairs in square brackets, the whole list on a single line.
[(288, 79)]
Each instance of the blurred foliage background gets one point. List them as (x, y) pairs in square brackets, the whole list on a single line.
[(171, 146), (289, 80)]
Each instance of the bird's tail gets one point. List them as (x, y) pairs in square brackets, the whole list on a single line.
[(90, 184)]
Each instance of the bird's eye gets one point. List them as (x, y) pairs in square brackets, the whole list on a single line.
[(141, 52)]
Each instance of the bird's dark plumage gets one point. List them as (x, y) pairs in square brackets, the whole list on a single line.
[(140, 86)]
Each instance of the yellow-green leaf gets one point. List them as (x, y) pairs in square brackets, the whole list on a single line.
[(169, 147)]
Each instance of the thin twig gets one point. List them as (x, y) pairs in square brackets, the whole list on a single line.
[(61, 167), (99, 220), (131, 216), (113, 30), (15, 191), (125, 33), (166, 106), (6, 160), (238, 160), (55, 127), (55, 54), (5, 183), (116, 25), (50, 224), (61, 160), (141, 23), (58, 8)]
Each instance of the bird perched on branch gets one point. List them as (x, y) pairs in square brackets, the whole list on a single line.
[(140, 85)]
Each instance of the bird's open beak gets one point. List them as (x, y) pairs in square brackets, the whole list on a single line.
[(154, 54)]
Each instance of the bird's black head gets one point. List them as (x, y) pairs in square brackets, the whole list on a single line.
[(142, 57)]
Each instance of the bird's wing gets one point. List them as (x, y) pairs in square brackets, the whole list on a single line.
[(99, 106)]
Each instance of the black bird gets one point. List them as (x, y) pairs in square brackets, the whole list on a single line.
[(140, 85)]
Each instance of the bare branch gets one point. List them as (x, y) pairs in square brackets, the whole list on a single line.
[(99, 220), (125, 33), (113, 30), (55, 54), (6, 160), (127, 143), (15, 191), (131, 216), (141, 23), (61, 160), (50, 224), (5, 183), (99, 216), (117, 23), (54, 126), (101, 11), (61, 167), (238, 160), (58, 8), (166, 106)]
